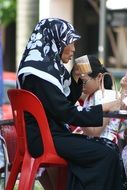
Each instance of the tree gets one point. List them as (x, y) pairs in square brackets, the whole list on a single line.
[(7, 11)]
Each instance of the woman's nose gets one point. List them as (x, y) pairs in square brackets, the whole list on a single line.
[(73, 48)]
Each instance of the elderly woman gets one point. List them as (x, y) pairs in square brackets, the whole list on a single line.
[(42, 72)]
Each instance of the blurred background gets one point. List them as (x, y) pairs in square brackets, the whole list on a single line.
[(101, 23)]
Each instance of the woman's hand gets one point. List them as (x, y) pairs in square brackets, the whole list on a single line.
[(112, 106), (76, 72)]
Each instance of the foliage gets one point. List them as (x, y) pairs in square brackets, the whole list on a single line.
[(7, 11)]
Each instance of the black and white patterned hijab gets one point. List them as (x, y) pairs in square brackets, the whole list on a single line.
[(42, 53)]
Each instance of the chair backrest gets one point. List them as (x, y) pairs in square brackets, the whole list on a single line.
[(25, 101)]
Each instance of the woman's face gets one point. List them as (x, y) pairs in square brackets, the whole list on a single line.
[(68, 52)]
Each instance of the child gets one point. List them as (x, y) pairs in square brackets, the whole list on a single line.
[(110, 129), (91, 84)]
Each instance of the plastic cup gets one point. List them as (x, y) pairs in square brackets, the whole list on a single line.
[(83, 64)]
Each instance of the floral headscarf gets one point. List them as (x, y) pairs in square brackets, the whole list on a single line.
[(42, 53)]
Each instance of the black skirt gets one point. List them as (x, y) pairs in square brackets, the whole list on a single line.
[(94, 163)]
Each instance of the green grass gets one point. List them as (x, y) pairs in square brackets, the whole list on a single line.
[(36, 187)]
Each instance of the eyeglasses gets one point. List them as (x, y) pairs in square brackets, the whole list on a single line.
[(86, 81)]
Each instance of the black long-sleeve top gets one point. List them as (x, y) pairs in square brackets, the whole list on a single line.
[(60, 110)]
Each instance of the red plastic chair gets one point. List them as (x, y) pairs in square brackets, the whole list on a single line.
[(8, 133), (22, 100)]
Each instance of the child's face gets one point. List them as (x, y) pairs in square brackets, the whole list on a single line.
[(90, 85)]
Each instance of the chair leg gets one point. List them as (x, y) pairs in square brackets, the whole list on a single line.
[(5, 158), (6, 163), (14, 172), (62, 178), (28, 173), (33, 177)]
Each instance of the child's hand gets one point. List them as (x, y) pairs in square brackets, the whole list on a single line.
[(123, 83)]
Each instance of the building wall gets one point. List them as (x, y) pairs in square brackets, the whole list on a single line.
[(56, 8), (27, 17)]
